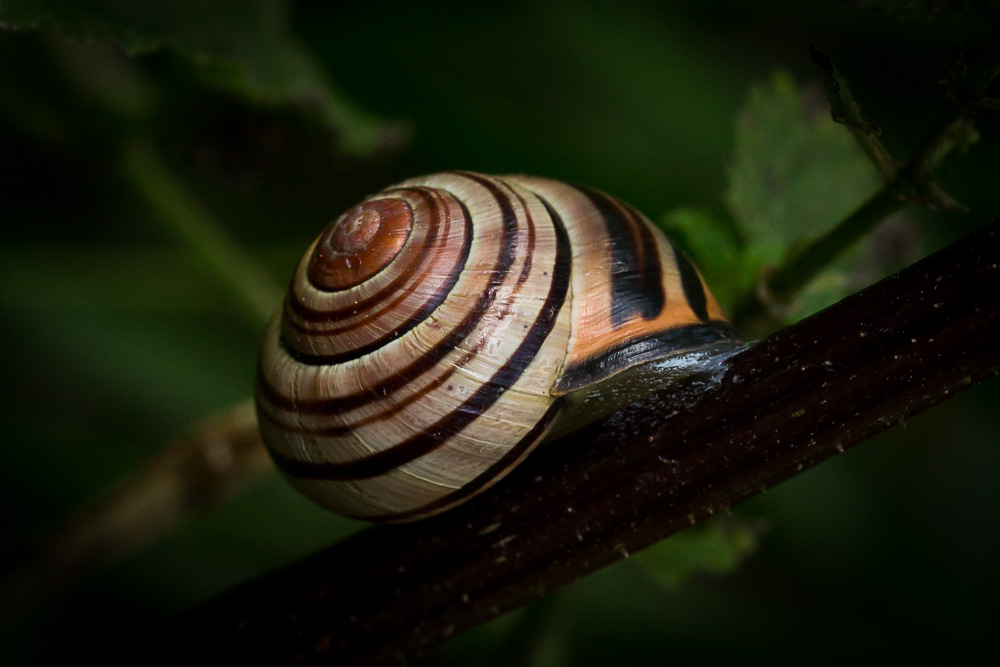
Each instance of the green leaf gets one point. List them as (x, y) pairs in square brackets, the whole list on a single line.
[(242, 45), (716, 547), (795, 173)]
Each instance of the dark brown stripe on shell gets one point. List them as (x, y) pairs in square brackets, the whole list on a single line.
[(429, 307), (393, 410), (636, 275), (438, 217), (646, 348), (425, 362), (438, 433), (360, 244), (482, 481), (694, 290), (341, 430), (428, 196)]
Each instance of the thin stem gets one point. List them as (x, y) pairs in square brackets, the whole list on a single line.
[(752, 311), (807, 264), (932, 144), (220, 252), (847, 111), (912, 182), (197, 471)]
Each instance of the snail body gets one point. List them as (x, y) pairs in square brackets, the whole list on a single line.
[(430, 333)]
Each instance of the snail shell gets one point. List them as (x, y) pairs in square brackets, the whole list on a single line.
[(429, 333)]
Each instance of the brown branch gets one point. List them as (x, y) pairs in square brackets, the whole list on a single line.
[(197, 471), (592, 498)]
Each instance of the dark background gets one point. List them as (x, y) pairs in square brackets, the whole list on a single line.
[(116, 340)]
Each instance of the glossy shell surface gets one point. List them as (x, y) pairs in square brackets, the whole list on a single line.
[(429, 332)]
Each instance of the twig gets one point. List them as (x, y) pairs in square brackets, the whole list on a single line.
[(933, 144), (221, 454), (911, 182), (846, 111), (588, 499), (754, 311), (232, 266)]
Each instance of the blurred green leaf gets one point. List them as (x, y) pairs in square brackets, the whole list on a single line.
[(795, 171), (241, 45), (715, 547), (794, 175)]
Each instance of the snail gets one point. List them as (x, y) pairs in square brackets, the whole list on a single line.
[(434, 334)]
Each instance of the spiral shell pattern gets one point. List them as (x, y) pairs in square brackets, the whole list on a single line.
[(428, 333)]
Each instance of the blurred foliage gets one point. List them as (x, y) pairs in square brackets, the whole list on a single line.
[(715, 547), (705, 115), (241, 45), (794, 174)]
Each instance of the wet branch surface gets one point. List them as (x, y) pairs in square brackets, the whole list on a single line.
[(594, 497)]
